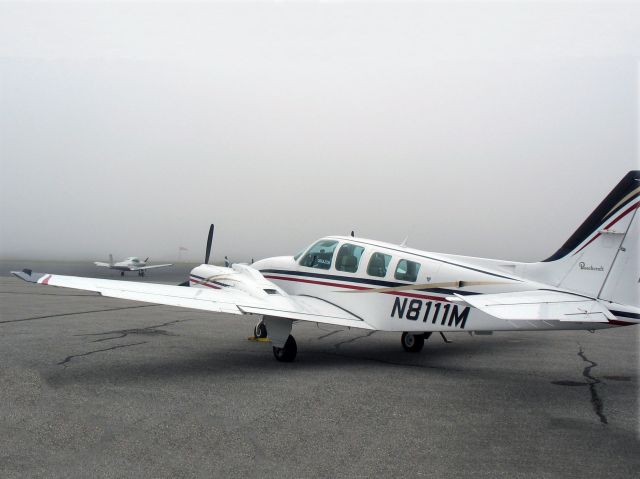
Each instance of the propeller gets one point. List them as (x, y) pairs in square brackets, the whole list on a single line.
[(146, 259), (209, 241)]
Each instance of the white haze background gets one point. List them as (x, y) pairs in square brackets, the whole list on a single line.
[(480, 129)]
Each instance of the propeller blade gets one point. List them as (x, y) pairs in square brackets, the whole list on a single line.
[(146, 259), (209, 241)]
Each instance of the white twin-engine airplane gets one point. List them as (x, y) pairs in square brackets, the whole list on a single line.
[(590, 283), (132, 263)]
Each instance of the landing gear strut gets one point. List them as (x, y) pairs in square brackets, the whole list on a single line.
[(121, 273), (288, 352), (260, 331), (413, 342)]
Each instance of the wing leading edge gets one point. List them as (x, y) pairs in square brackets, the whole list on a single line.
[(227, 300)]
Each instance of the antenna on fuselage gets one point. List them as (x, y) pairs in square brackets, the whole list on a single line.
[(209, 241)]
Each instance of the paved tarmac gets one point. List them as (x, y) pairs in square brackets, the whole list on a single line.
[(98, 387)]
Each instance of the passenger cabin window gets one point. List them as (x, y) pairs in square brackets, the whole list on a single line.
[(407, 270), (320, 255), (349, 257), (378, 265)]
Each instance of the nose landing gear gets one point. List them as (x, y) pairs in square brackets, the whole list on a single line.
[(260, 331)]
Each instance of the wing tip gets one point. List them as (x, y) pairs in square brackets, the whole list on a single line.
[(27, 275)]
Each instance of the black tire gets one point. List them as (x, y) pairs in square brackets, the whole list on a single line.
[(412, 342), (287, 353), (260, 331), (121, 273)]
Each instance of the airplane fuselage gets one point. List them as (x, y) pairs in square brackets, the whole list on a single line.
[(394, 288)]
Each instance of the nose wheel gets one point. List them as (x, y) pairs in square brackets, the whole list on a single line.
[(287, 353), (412, 342), (260, 331)]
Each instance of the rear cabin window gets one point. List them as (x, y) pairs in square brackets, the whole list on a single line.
[(407, 270), (320, 255), (349, 257), (378, 264)]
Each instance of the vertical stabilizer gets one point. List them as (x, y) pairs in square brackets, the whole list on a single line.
[(600, 258)]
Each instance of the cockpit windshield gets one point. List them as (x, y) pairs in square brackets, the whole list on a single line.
[(320, 255)]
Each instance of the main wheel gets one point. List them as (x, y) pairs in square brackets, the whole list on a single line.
[(412, 342), (260, 331), (287, 353), (121, 273)]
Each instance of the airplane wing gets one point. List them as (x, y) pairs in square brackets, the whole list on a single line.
[(270, 301), (539, 305), (138, 268), (100, 263)]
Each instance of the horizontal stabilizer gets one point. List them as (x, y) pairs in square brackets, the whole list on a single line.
[(540, 305)]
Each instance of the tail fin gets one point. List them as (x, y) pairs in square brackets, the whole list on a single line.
[(601, 258), (110, 259)]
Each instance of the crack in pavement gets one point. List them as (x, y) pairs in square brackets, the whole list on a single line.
[(78, 312), (69, 358), (328, 334), (351, 340), (596, 401), (123, 333)]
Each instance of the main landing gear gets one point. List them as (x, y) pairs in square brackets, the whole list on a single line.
[(121, 273), (288, 352), (413, 342), (141, 272)]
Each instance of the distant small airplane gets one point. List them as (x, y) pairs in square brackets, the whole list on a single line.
[(132, 263), (590, 282)]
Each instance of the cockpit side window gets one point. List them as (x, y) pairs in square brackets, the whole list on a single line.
[(319, 255), (407, 270), (378, 264), (349, 257)]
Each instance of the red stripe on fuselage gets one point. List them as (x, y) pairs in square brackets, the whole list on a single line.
[(626, 212), (46, 280), (359, 288)]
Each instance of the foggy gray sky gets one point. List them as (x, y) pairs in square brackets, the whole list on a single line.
[(481, 129)]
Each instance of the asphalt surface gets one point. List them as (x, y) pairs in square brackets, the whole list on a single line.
[(98, 387)]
